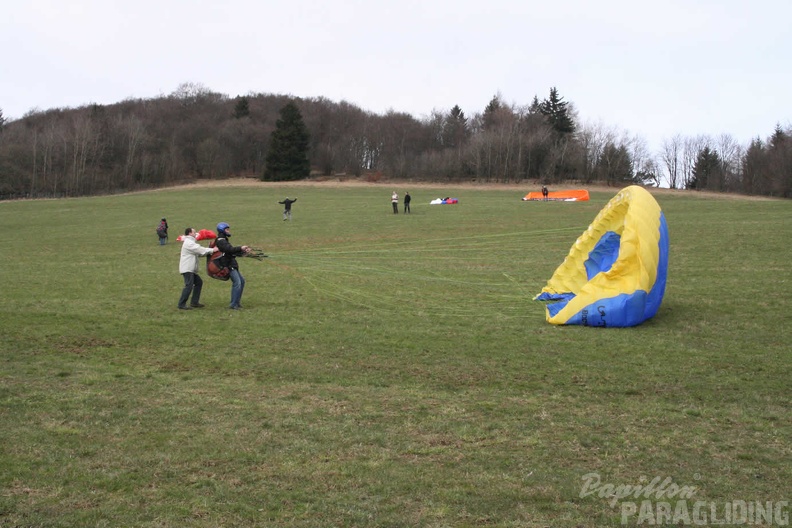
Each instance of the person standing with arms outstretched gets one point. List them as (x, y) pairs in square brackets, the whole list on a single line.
[(228, 260), (287, 208)]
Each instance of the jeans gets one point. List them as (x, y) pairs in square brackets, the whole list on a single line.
[(163, 240), (192, 284), (237, 287)]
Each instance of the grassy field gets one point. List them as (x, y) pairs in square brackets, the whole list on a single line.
[(386, 370)]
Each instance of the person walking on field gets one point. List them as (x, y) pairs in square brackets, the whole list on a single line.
[(407, 201), (395, 202), (545, 192), (287, 208), (228, 260), (188, 267)]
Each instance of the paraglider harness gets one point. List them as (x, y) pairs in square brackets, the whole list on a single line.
[(217, 268)]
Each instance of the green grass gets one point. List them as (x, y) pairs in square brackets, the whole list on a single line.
[(386, 370)]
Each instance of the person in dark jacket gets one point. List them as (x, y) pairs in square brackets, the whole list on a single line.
[(287, 208), (407, 200), (162, 232), (230, 253)]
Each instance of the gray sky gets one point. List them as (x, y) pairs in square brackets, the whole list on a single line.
[(651, 69)]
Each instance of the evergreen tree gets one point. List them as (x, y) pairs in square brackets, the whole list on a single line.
[(287, 157), (536, 107), (455, 131), (780, 162), (755, 177), (615, 164), (494, 105), (778, 138), (556, 111), (490, 112), (242, 108), (706, 169)]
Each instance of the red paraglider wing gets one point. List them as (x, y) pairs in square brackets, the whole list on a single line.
[(205, 234)]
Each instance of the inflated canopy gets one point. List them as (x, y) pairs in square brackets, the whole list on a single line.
[(203, 234), (580, 195), (615, 273)]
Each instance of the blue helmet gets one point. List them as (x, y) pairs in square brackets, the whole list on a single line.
[(221, 227)]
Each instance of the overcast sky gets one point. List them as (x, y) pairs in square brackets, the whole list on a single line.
[(651, 69)]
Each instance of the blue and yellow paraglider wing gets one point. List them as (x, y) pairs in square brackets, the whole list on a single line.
[(615, 274)]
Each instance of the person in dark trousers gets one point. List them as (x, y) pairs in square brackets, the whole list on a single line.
[(162, 232), (287, 203), (228, 260), (544, 192), (188, 267), (395, 202), (407, 201)]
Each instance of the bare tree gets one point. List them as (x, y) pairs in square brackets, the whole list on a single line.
[(671, 157), (592, 138), (644, 166), (691, 148), (730, 154)]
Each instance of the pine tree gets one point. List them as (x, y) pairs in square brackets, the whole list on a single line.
[(287, 157), (706, 169), (489, 117), (778, 138), (241, 108), (455, 131), (535, 108), (779, 157), (615, 164), (556, 111), (755, 173)]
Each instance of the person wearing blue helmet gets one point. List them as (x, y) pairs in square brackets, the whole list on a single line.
[(228, 260)]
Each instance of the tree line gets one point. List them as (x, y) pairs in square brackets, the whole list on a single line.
[(195, 133)]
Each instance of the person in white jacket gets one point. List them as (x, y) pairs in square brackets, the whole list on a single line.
[(188, 267)]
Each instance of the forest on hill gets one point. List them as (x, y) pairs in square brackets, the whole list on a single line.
[(195, 133)]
